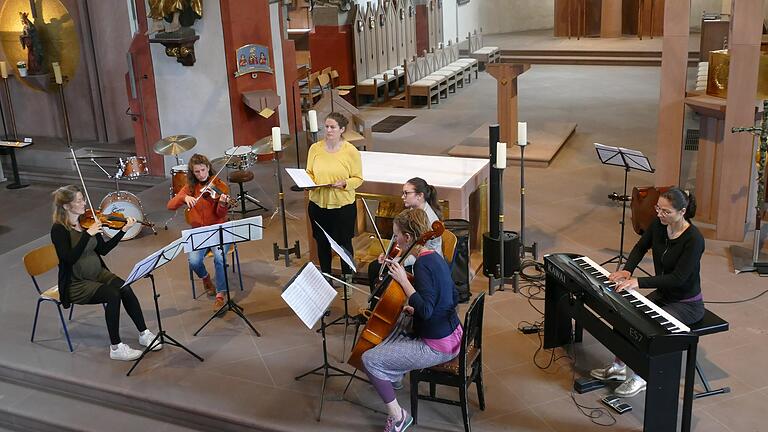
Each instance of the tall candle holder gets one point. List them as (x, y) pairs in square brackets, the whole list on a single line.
[(17, 184), (285, 250)]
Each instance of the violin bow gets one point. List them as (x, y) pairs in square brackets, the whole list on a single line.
[(373, 222), (72, 150)]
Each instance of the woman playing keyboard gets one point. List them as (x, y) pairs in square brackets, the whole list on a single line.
[(677, 246)]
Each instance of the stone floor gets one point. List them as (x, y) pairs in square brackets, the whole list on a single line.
[(251, 379)]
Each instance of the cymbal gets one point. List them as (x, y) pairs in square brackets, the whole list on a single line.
[(175, 145), (264, 145)]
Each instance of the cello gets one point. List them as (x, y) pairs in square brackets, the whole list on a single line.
[(384, 316)]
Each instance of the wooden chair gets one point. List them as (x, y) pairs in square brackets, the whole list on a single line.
[(449, 247), (310, 90), (416, 86), (438, 69), (425, 65), (469, 64), (461, 372), (38, 262), (234, 254)]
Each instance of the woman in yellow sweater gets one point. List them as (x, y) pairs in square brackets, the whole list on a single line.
[(336, 163)]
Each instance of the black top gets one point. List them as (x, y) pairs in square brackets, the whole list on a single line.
[(434, 302), (68, 255), (676, 263)]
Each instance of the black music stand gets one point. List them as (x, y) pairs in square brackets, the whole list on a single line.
[(218, 236), (144, 269), (310, 295), (346, 257), (627, 159)]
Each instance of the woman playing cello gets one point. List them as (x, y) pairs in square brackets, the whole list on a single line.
[(436, 330)]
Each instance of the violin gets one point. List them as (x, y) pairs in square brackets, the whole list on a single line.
[(114, 220), (383, 318), (214, 192)]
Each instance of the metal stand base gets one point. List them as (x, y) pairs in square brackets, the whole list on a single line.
[(743, 259), (242, 197), (229, 305), (326, 370), (161, 336), (296, 250)]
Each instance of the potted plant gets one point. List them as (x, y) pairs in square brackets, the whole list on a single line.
[(22, 67)]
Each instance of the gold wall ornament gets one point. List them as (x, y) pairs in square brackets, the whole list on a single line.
[(717, 75), (58, 35)]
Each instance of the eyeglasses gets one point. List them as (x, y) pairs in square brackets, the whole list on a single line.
[(406, 193), (663, 211)]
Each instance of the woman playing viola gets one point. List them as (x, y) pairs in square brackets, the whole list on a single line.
[(204, 209), (436, 330), (83, 276)]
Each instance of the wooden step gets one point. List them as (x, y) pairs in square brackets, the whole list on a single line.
[(587, 53), (589, 61)]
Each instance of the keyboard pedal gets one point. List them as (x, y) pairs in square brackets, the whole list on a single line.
[(587, 384), (616, 404)]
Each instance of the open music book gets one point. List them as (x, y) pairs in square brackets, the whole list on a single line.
[(308, 294), (302, 179)]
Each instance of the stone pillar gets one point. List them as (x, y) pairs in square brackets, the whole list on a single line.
[(737, 161), (674, 64)]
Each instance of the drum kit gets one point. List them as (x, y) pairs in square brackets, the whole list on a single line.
[(128, 168)]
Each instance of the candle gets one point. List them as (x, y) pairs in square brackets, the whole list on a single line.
[(57, 72), (501, 155), (276, 144), (522, 133), (3, 69), (312, 120)]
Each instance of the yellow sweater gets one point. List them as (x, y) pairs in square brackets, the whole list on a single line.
[(327, 168)]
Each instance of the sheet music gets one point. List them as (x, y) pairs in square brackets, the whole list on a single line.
[(309, 294), (154, 260), (231, 232), (637, 160), (339, 250), (609, 155), (301, 178)]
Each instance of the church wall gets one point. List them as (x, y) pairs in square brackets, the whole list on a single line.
[(38, 114), (195, 100), (111, 39)]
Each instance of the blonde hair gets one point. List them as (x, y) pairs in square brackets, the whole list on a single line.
[(413, 221), (61, 196)]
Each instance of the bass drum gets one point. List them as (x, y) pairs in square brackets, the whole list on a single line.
[(129, 205)]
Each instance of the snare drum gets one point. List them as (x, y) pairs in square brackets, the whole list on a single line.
[(240, 157), (178, 179), (129, 205), (132, 167)]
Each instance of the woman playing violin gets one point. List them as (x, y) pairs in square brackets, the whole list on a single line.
[(436, 330), (206, 201), (83, 276)]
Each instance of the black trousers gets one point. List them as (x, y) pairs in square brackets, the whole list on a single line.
[(339, 223), (112, 294)]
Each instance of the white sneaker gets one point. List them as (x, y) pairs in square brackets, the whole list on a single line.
[(123, 352), (630, 387), (610, 372), (147, 337)]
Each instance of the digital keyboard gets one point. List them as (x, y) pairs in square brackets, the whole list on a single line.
[(629, 313), (645, 337)]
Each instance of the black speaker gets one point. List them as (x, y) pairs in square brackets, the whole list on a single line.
[(491, 253)]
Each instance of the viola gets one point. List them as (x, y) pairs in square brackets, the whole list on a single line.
[(383, 318), (214, 192), (114, 220)]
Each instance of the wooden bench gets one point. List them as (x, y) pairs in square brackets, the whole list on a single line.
[(483, 54)]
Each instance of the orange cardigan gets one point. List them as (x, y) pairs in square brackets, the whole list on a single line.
[(207, 211)]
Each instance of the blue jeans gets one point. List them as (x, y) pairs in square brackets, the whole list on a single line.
[(198, 266)]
